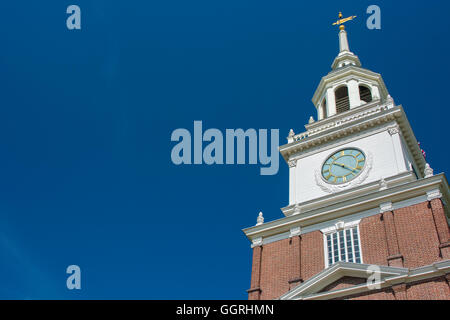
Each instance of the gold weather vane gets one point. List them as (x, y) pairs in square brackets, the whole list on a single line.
[(341, 21)]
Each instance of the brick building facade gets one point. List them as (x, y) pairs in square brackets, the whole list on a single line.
[(367, 218)]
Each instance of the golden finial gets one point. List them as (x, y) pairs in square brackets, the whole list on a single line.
[(341, 21)]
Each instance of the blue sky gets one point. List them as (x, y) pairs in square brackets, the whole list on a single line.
[(86, 116)]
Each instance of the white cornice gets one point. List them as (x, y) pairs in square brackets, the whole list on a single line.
[(350, 194), (326, 209), (351, 123), (352, 114), (411, 141), (341, 125), (342, 141)]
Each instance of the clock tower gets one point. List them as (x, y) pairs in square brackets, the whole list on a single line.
[(367, 218)]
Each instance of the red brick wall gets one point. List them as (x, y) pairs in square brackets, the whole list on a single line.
[(255, 290), (295, 262), (313, 257), (440, 220), (414, 229), (275, 269), (373, 240), (386, 294), (432, 289), (417, 236), (436, 289), (278, 266)]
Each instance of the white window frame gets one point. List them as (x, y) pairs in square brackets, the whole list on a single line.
[(335, 229)]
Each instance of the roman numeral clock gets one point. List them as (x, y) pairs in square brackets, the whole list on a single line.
[(343, 166)]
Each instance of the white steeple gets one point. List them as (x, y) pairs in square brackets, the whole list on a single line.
[(345, 56), (348, 85)]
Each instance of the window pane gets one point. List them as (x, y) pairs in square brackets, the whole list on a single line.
[(356, 245), (330, 254), (349, 246), (342, 245), (335, 248)]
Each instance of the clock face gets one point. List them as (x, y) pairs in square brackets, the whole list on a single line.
[(343, 166)]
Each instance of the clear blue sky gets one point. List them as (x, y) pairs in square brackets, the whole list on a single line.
[(86, 117)]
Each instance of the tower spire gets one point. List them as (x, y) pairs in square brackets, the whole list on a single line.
[(343, 41), (345, 56)]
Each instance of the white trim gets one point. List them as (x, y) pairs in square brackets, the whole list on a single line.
[(339, 226), (356, 208), (325, 250), (351, 194), (360, 246), (296, 231), (334, 273), (397, 148), (386, 207), (310, 289), (409, 202), (325, 226), (434, 194), (277, 237), (292, 174), (257, 242), (336, 142)]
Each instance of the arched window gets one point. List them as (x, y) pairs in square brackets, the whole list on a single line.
[(324, 108), (342, 100), (365, 94)]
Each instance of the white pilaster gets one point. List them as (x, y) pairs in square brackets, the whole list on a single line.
[(320, 114), (292, 182), (353, 93), (398, 150), (375, 93), (331, 102)]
